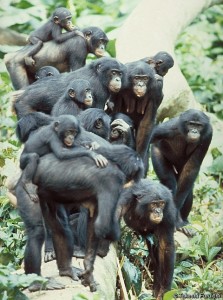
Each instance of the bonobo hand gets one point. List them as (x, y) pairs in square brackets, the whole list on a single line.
[(100, 160), (120, 125), (94, 146), (29, 61)]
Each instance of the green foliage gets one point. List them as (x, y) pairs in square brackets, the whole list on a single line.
[(12, 283), (200, 55)]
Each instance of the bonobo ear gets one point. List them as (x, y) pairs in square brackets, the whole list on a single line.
[(56, 125), (88, 35), (138, 196), (71, 93), (56, 20), (159, 62)]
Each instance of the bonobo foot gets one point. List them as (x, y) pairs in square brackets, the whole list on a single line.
[(72, 272), (49, 256), (51, 284), (31, 190), (87, 279), (29, 61), (180, 226)]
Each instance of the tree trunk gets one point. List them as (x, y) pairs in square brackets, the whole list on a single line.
[(154, 26)]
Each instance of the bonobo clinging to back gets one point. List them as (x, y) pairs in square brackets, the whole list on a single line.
[(178, 149), (60, 137), (66, 57), (52, 30)]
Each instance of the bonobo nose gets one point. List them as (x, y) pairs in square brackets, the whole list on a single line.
[(118, 79)]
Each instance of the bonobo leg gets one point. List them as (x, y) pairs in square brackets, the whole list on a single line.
[(28, 163), (55, 217), (31, 214), (49, 253), (86, 276), (163, 265)]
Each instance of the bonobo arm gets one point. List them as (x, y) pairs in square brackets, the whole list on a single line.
[(76, 151), (67, 35), (192, 167), (165, 130)]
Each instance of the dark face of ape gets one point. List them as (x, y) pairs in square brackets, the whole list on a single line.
[(193, 126), (62, 17), (67, 128)]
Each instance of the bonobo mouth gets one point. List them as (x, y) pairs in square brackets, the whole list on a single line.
[(115, 88), (68, 144), (99, 52), (88, 102), (139, 92)]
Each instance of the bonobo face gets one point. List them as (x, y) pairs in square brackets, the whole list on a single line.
[(115, 82), (155, 209), (139, 83), (62, 17), (194, 129), (67, 128), (100, 49)]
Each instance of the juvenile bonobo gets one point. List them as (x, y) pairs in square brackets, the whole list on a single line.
[(148, 208), (52, 30), (161, 62), (95, 120), (179, 147), (122, 130), (78, 96), (59, 138), (45, 72)]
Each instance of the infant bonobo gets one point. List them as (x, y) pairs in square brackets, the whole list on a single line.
[(60, 138), (52, 30)]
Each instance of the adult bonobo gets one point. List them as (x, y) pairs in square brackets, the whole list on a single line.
[(148, 208), (104, 74), (140, 99), (58, 183), (67, 56), (179, 147)]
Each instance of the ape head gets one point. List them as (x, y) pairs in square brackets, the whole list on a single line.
[(80, 91), (62, 17), (193, 124), (67, 128), (96, 40), (152, 200), (139, 76), (110, 72)]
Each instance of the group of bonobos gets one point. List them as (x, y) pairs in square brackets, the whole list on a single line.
[(87, 131)]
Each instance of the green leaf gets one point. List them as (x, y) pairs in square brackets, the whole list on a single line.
[(213, 252), (170, 295)]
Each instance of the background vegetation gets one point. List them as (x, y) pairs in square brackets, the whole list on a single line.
[(199, 264)]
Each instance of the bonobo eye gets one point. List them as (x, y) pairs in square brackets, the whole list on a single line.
[(161, 203), (136, 77), (145, 78), (87, 90), (139, 197), (49, 74), (114, 72)]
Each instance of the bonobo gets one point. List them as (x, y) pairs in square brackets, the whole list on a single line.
[(67, 56), (78, 96), (52, 30), (161, 62), (140, 99), (122, 130), (58, 182), (95, 120), (45, 72), (104, 74), (148, 208), (179, 147), (59, 138)]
